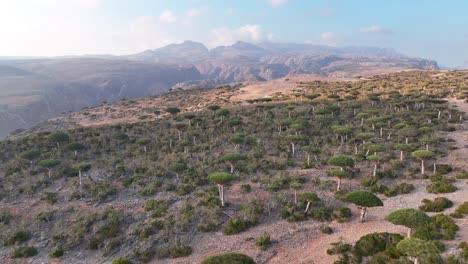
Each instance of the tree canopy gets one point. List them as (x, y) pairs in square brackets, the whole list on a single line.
[(409, 217), (341, 161), (363, 198), (220, 177), (415, 247), (423, 154)]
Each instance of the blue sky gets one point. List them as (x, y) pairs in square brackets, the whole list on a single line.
[(424, 28)]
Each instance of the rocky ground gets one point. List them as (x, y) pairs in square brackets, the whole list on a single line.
[(303, 243)]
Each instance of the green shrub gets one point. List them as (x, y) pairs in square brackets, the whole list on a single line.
[(371, 244), (121, 260), (462, 175), (245, 188), (100, 190), (322, 214), (326, 229), (444, 169), (180, 251), (145, 256), (4, 216), (339, 248), (56, 252), (438, 205), (51, 197), (237, 225), (156, 207), (442, 227), (228, 258), (24, 252), (16, 237), (111, 245), (460, 211), (263, 241), (342, 214), (440, 186)]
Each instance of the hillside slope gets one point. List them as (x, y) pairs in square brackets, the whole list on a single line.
[(33, 91), (141, 190)]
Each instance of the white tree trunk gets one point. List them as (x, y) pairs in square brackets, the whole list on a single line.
[(79, 175), (307, 207), (422, 167), (363, 214)]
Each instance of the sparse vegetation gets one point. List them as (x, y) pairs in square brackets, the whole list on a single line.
[(158, 183)]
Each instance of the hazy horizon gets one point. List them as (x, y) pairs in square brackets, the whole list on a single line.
[(433, 30)]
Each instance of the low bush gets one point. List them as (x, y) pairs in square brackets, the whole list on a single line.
[(339, 248), (440, 184), (51, 197), (460, 211), (444, 168), (237, 225), (371, 244), (145, 256), (4, 216), (56, 252), (438, 205), (24, 252), (263, 241), (121, 260), (326, 229), (228, 258), (180, 251), (462, 175), (16, 237), (156, 207), (442, 227), (342, 214), (245, 188)]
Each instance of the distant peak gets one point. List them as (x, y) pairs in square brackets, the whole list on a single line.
[(244, 45)]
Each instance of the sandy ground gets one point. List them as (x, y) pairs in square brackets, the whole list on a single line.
[(284, 85)]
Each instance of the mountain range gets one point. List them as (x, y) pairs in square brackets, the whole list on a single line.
[(36, 89)]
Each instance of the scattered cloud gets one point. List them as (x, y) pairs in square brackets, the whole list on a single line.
[(191, 14), (227, 36), (325, 38), (327, 12), (375, 29), (278, 2), (168, 17)]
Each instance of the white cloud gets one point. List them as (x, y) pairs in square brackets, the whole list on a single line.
[(168, 17), (278, 2), (325, 38), (191, 14), (227, 36), (375, 29)]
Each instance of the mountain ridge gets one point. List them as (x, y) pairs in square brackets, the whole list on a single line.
[(33, 90)]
